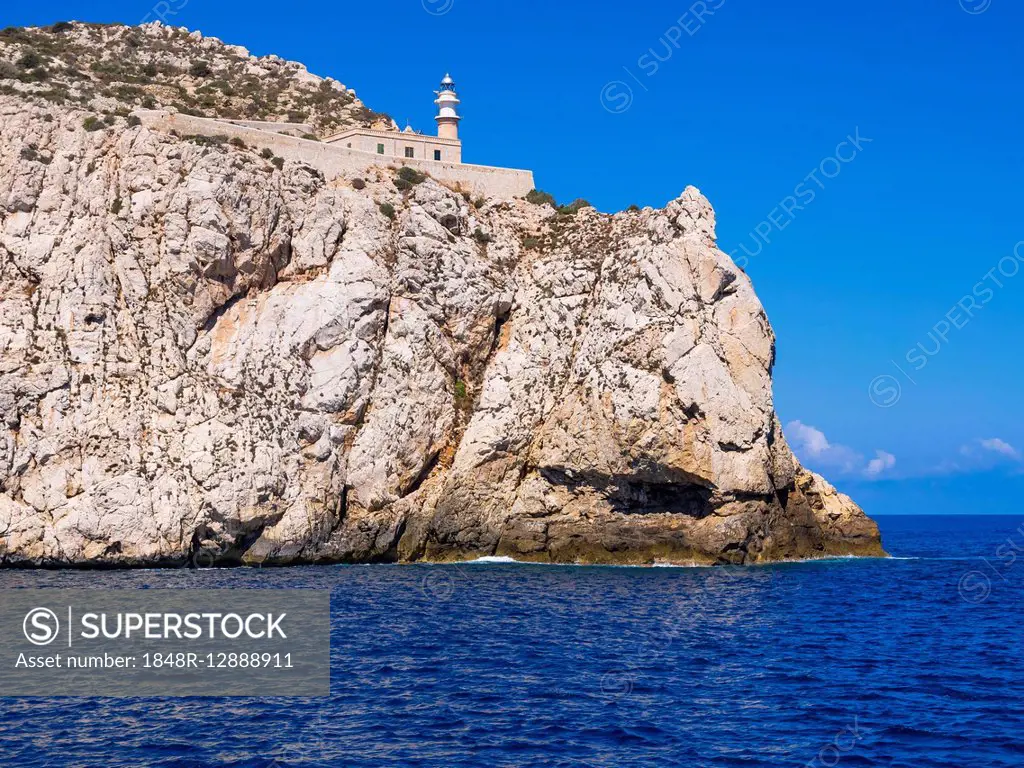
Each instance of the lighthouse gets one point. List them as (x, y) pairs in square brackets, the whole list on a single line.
[(385, 144), (447, 110)]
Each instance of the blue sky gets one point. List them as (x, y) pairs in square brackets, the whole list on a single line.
[(886, 263)]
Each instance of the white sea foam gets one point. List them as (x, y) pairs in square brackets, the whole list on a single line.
[(512, 561), (673, 565), (505, 560)]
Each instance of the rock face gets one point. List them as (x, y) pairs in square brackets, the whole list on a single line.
[(205, 356)]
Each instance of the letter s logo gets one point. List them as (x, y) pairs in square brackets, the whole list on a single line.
[(41, 626), (616, 97)]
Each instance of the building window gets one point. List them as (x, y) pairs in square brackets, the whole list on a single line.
[(380, 149), (409, 152), (437, 154)]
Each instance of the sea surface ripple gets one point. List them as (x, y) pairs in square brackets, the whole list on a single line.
[(908, 661)]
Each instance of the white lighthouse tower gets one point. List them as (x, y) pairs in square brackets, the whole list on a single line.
[(447, 110)]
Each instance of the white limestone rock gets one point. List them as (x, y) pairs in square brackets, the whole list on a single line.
[(259, 366)]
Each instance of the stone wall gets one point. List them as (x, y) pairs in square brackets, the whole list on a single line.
[(334, 161), (292, 129)]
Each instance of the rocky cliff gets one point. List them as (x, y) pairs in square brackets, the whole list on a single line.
[(208, 356), (112, 68)]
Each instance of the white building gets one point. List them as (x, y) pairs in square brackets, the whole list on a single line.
[(355, 151), (389, 142)]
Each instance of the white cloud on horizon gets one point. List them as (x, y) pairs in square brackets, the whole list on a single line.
[(883, 461), (813, 447), (997, 445), (816, 451), (981, 455)]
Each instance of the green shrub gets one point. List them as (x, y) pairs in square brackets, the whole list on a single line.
[(127, 92), (200, 68), (185, 109), (278, 162), (60, 26), (633, 208), (133, 121), (267, 153), (106, 70), (30, 60), (537, 197), (149, 70), (531, 243), (411, 175), (75, 74), (57, 95), (92, 123), (116, 207), (460, 390), (358, 184), (388, 210), (481, 237), (238, 142), (402, 185), (207, 141), (30, 154), (574, 207), (480, 202), (311, 136)]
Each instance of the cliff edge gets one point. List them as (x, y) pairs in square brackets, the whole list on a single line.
[(209, 355)]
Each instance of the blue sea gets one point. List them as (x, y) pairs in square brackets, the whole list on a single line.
[(909, 661)]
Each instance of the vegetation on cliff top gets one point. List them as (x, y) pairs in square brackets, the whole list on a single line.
[(116, 68)]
